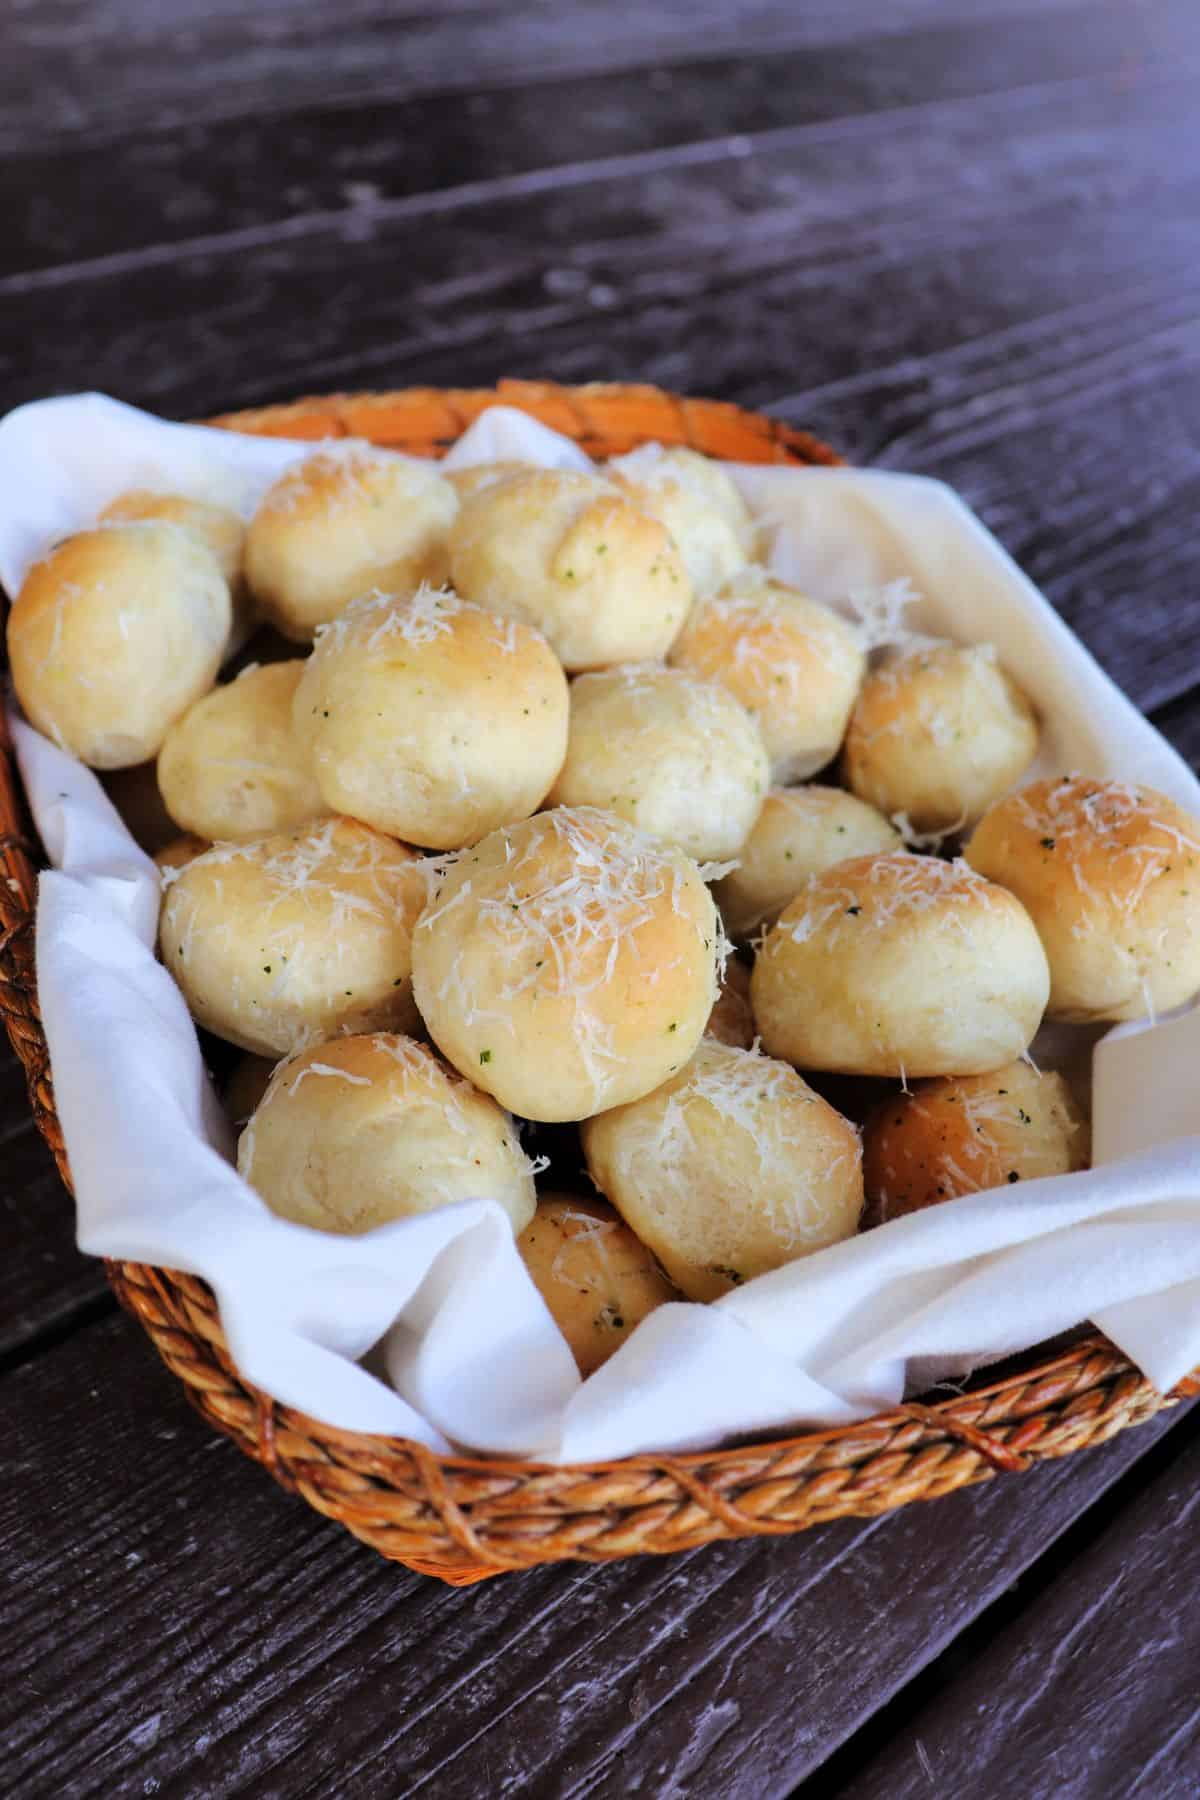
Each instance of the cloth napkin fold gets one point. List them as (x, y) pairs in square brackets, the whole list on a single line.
[(441, 1304)]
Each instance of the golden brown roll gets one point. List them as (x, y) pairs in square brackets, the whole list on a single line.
[(675, 755), (571, 555), (731, 1020), (799, 832), (597, 1280), (365, 1130), (215, 526), (296, 937), (1110, 874), (112, 637), (938, 733), (432, 719), (731, 1168), (566, 963), (963, 1133), (233, 767), (796, 665), (698, 503), (343, 522), (900, 965)]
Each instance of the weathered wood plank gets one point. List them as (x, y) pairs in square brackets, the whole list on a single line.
[(163, 186), (175, 1624), (44, 1281), (1090, 1692), (1180, 722), (1033, 338), (88, 68)]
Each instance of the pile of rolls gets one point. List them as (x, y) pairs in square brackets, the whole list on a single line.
[(535, 800)]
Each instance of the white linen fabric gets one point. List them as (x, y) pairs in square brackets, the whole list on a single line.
[(468, 1355)]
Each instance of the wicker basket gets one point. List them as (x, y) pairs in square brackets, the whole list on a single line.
[(464, 1518)]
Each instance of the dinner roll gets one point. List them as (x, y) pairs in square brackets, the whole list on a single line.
[(298, 936), (478, 476), (799, 832), (340, 523), (233, 767), (697, 502), (597, 1280), (1110, 875), (365, 1130), (566, 963), (963, 1133), (432, 719), (731, 1020), (179, 853), (216, 526), (732, 1167), (248, 1081), (938, 733), (674, 754), (112, 637), (796, 665), (900, 965), (570, 554)]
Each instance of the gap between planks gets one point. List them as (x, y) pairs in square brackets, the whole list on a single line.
[(494, 190), (836, 1778)]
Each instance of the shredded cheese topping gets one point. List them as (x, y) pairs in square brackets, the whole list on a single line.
[(873, 893), (765, 1101)]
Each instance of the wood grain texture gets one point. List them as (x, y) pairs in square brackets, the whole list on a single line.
[(1033, 337), (156, 187), (1179, 722), (262, 1650), (1113, 1646), (83, 69), (44, 1281)]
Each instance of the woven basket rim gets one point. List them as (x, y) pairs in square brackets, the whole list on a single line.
[(394, 1492)]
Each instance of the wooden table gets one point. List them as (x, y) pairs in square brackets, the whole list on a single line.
[(959, 238)]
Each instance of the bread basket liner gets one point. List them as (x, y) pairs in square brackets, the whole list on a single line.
[(440, 1306)]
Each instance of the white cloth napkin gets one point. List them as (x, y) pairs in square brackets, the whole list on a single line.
[(443, 1302)]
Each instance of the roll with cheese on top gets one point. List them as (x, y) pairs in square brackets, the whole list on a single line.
[(964, 1133), (233, 767), (114, 635), (366, 1130), (794, 664), (218, 527), (799, 832), (937, 734), (675, 755), (430, 718), (572, 555), (567, 963), (731, 1168), (598, 1280), (1110, 875), (341, 523), (698, 503), (296, 937), (900, 965)]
